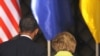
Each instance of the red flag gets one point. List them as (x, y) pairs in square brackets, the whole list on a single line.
[(9, 19)]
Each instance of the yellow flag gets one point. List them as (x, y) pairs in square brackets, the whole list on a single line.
[(91, 13)]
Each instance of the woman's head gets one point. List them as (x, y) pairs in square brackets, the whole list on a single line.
[(64, 41)]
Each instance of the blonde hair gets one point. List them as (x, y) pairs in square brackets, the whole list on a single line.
[(64, 41)]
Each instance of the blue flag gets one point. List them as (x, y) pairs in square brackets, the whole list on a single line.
[(53, 16)]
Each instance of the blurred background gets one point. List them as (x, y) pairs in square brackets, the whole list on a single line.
[(86, 45), (85, 41)]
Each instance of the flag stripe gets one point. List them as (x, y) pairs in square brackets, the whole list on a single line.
[(3, 35), (8, 13), (5, 29), (7, 22), (12, 10), (9, 19), (16, 5), (0, 40)]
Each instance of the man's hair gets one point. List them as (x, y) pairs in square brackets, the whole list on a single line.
[(64, 41), (28, 24)]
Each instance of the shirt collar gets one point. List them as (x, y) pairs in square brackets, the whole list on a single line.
[(26, 36)]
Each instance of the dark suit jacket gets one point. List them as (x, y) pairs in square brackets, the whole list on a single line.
[(22, 46)]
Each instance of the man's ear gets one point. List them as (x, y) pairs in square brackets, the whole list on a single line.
[(36, 31), (33, 34)]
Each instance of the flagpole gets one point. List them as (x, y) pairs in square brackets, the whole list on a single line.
[(97, 49), (49, 47)]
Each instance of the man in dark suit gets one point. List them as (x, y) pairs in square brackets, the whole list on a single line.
[(22, 45)]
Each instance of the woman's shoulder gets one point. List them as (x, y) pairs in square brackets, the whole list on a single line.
[(64, 53)]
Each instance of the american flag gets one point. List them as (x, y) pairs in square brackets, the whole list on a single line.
[(9, 19)]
